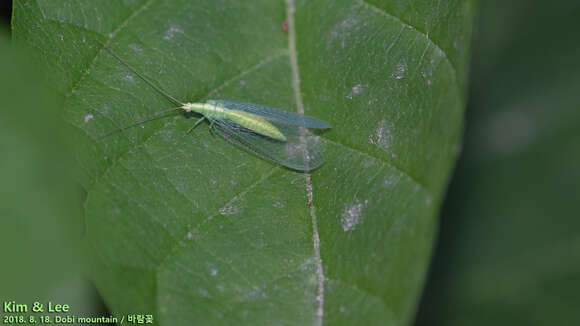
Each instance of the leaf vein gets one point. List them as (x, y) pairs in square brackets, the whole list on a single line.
[(384, 13), (352, 149), (196, 229), (246, 71)]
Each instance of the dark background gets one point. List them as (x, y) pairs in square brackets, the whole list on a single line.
[(509, 244), (5, 13), (509, 247)]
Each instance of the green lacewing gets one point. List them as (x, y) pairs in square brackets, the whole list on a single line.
[(273, 134)]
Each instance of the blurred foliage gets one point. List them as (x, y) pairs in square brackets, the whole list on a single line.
[(191, 228), (39, 201), (509, 248)]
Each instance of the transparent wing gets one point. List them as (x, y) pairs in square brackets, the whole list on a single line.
[(273, 114), (302, 153)]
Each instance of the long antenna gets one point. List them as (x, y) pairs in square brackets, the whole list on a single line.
[(145, 79), (147, 119)]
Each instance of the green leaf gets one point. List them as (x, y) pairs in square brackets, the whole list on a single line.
[(194, 229)]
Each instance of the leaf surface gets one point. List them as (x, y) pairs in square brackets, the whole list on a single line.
[(194, 229)]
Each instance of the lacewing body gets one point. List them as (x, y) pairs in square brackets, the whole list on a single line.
[(277, 135)]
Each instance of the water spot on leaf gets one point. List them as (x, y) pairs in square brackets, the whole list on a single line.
[(352, 215), (129, 78), (88, 117), (342, 31), (136, 48), (382, 136), (171, 31), (400, 70), (357, 89)]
